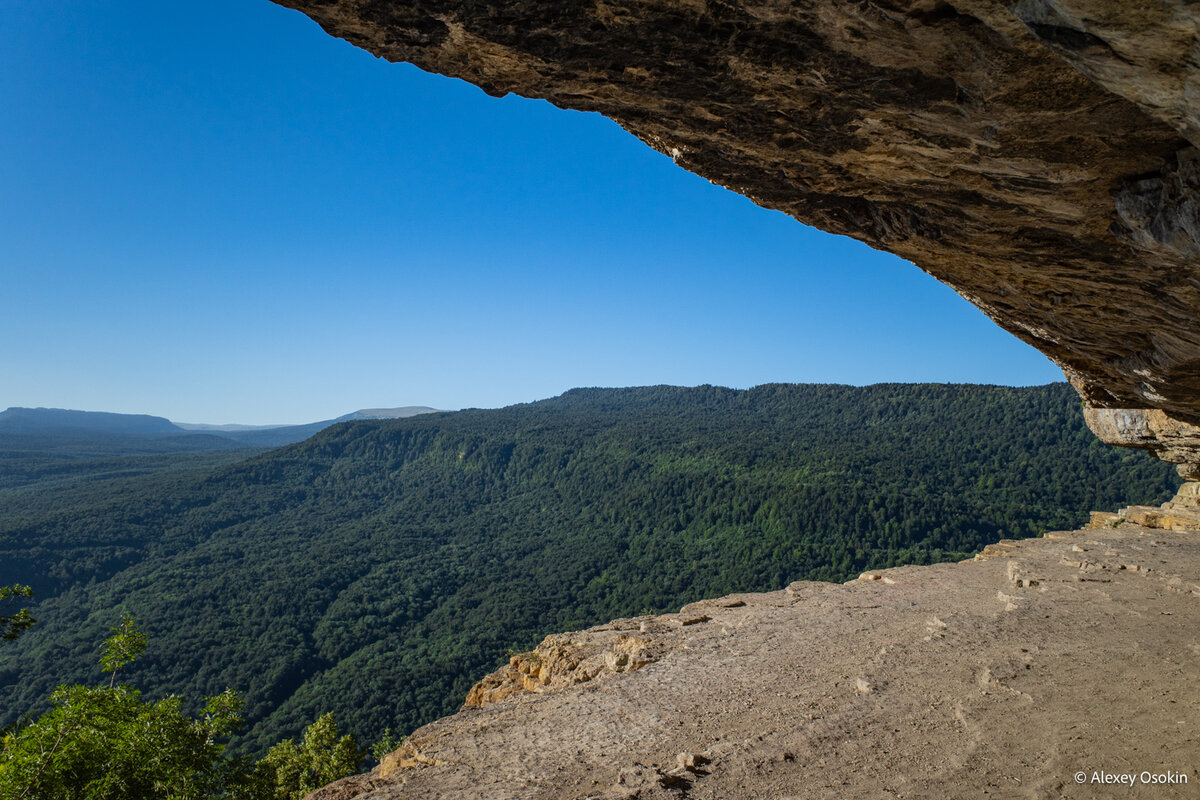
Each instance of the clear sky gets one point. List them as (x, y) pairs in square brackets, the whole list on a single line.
[(214, 212)]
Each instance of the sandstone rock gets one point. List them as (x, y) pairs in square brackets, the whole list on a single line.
[(1149, 429), (1103, 519), (690, 762), (1187, 498), (407, 757), (347, 788), (1180, 513), (1007, 703), (566, 660)]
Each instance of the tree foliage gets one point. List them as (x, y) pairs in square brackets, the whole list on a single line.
[(14, 624), (107, 743), (381, 567), (126, 643), (322, 756)]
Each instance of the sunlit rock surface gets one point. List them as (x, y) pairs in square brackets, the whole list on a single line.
[(1005, 676)]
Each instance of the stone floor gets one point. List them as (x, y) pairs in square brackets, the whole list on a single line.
[(1038, 664)]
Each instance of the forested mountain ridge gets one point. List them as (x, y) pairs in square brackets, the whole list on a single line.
[(380, 568), (61, 420)]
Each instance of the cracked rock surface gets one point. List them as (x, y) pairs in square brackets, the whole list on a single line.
[(1002, 676)]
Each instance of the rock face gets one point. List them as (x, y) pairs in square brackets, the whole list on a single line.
[(1181, 513), (1037, 155), (1149, 429), (561, 661), (1004, 676)]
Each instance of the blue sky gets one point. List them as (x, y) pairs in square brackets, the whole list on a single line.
[(214, 212)]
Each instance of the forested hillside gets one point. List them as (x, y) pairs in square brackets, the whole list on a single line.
[(380, 568), (40, 462)]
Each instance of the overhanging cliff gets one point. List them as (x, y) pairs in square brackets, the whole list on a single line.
[(1038, 156)]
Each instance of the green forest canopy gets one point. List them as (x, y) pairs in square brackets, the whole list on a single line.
[(379, 568)]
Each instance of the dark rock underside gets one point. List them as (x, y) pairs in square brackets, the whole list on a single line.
[(1038, 156)]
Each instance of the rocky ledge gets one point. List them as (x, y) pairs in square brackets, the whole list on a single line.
[(1037, 155), (1008, 675)]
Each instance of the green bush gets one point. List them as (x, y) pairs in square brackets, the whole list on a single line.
[(321, 758), (107, 743)]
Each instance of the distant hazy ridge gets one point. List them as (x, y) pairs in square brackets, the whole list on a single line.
[(58, 421)]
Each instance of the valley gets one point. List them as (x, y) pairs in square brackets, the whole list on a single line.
[(382, 567)]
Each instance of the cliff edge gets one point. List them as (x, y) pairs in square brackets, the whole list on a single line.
[(1042, 668)]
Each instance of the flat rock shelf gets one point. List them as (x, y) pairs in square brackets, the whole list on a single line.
[(1046, 667)]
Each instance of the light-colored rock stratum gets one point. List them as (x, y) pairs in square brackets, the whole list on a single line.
[(1005, 676), (1037, 155)]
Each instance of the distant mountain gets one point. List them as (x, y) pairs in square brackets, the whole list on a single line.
[(67, 423), (274, 437), (362, 413), (279, 435), (202, 426), (386, 413), (63, 421)]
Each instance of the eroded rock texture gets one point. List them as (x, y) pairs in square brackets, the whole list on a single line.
[(1038, 156)]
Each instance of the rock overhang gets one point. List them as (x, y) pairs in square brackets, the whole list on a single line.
[(1038, 156)]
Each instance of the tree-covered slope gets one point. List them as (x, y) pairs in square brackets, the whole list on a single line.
[(379, 568), (41, 462)]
